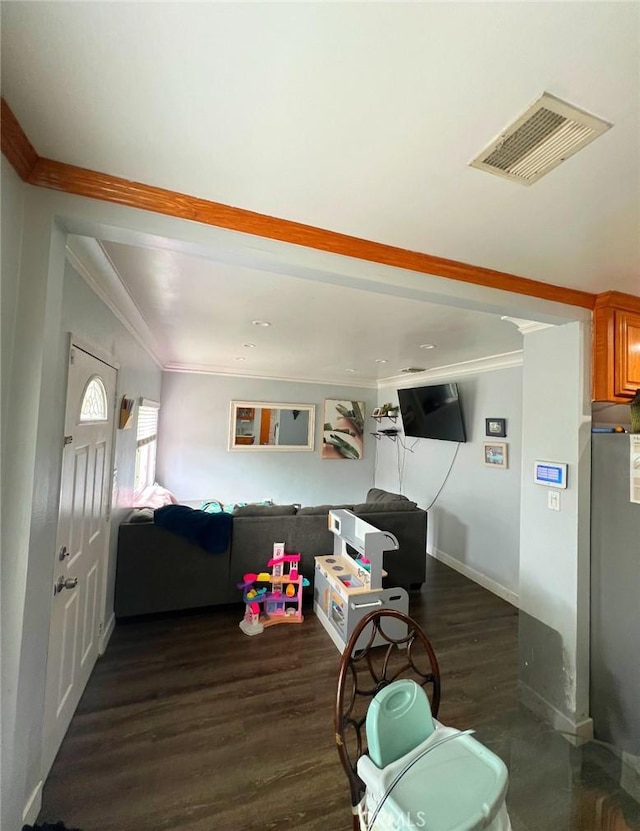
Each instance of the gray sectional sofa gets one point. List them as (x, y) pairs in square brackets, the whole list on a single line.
[(158, 571)]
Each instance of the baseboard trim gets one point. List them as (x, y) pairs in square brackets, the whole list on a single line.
[(106, 635), (477, 577), (34, 803), (576, 732)]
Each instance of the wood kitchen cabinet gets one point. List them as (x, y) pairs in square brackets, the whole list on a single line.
[(616, 347)]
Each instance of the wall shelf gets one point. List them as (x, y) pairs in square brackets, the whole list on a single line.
[(379, 418), (381, 433)]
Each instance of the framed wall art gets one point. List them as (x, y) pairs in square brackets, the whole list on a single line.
[(495, 427), (343, 430), (495, 454)]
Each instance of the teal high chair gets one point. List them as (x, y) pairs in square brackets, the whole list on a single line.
[(415, 772), (367, 671)]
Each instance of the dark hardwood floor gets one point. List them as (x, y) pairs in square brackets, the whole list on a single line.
[(188, 724)]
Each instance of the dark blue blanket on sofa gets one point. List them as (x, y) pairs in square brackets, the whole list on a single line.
[(210, 531)]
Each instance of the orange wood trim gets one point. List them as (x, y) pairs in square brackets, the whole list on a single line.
[(70, 179), (603, 369), (618, 300), (14, 143)]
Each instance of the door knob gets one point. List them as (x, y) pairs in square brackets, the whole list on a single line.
[(65, 583)]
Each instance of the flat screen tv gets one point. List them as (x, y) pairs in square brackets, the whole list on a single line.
[(432, 412)]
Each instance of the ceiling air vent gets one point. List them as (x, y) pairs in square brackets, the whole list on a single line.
[(544, 136), (410, 369)]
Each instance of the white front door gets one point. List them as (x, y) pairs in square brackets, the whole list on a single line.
[(82, 542)]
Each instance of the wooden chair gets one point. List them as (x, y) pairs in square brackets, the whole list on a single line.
[(364, 672)]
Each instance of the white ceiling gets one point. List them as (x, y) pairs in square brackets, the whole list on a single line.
[(355, 117), (201, 314)]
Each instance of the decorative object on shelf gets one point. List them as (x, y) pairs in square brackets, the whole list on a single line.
[(126, 413), (379, 414), (388, 409), (343, 433), (495, 427), (495, 454), (635, 413)]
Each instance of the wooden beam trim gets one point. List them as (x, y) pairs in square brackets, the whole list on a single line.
[(617, 300), (82, 182), (14, 143), (67, 178)]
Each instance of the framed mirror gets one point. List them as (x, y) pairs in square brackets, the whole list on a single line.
[(262, 425)]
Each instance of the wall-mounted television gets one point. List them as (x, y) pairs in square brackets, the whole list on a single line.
[(432, 412)]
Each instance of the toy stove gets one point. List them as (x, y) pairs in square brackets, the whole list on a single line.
[(348, 584)]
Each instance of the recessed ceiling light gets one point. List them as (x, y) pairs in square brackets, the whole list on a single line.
[(427, 346), (249, 345), (241, 359), (349, 370), (381, 360), (261, 323)]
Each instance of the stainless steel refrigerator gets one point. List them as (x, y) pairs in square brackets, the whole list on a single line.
[(615, 595)]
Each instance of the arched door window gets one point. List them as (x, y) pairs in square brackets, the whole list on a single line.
[(94, 401)]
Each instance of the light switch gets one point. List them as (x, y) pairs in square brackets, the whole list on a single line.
[(553, 500)]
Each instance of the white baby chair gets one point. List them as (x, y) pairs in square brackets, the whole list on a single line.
[(415, 772)]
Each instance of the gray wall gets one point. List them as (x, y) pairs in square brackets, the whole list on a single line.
[(475, 523), (554, 549), (85, 315), (195, 464)]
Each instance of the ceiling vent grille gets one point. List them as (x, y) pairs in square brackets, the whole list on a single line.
[(540, 139), (410, 369)]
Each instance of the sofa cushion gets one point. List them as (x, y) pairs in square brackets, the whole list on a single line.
[(322, 509), (378, 495), (265, 510), (390, 506), (140, 515), (214, 506)]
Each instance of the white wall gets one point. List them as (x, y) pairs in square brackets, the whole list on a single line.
[(86, 316), (474, 526), (195, 464), (11, 214), (554, 550)]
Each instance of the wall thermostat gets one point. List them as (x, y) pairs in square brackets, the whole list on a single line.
[(551, 474)]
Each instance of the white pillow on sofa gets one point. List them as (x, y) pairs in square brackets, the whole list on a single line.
[(153, 496)]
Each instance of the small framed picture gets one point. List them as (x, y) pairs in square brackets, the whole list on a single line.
[(495, 427), (495, 454), (377, 412)]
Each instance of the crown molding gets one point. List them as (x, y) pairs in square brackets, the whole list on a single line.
[(525, 327), (506, 360), (48, 173), (91, 262), (199, 369)]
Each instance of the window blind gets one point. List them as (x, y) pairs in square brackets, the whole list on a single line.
[(147, 424)]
